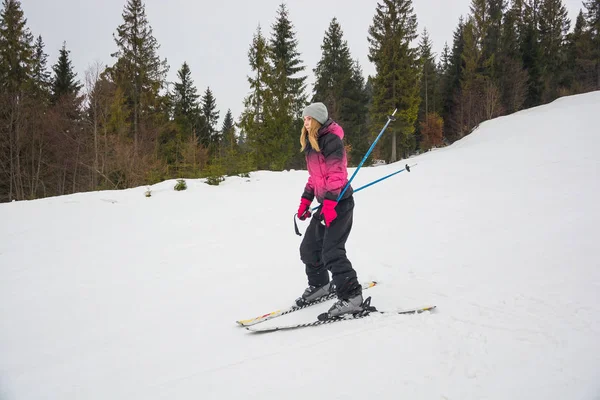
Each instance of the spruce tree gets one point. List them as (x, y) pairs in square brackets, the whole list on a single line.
[(593, 22), (580, 61), (252, 121), (452, 81), (428, 76), (340, 86), (396, 83), (16, 53), (486, 22), (66, 103), (512, 78), (355, 115), (480, 21), (228, 131), (138, 70), (232, 160), (334, 70), (37, 113), (186, 108), (429, 82), (471, 84), (554, 25), (258, 56), (210, 137), (444, 64), (286, 97), (480, 97), (532, 52), (491, 41), (287, 64), (40, 76), (64, 82), (16, 48)]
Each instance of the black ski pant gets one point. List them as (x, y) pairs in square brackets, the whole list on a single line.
[(323, 250)]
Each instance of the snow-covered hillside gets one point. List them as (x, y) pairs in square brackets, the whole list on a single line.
[(112, 295)]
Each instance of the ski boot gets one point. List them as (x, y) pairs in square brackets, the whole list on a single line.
[(313, 293)]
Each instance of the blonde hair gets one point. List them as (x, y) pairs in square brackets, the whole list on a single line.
[(312, 133)]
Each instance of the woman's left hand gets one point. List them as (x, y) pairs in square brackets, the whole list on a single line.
[(328, 211)]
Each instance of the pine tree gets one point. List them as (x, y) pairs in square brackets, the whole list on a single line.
[(232, 161), (480, 21), (287, 64), (580, 61), (428, 76), (16, 48), (339, 84), (468, 114), (252, 120), (179, 138), (396, 84), (491, 41), (64, 82), (186, 108), (452, 82), (429, 82), (554, 25), (37, 114), (355, 115), (480, 97), (210, 137), (16, 53), (486, 22), (593, 22), (443, 67), (496, 11), (40, 76), (334, 70), (258, 56), (228, 131), (285, 100), (445, 59), (512, 78), (138, 71), (532, 52), (66, 109), (471, 54)]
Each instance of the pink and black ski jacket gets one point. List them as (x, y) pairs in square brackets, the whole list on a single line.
[(327, 169)]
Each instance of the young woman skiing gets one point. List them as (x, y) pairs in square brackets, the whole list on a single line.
[(323, 247)]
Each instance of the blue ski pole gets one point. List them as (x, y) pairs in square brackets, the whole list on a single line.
[(390, 119), (406, 168)]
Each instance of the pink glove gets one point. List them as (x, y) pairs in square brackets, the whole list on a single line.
[(328, 211), (304, 209)]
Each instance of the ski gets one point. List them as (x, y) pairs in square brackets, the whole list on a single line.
[(322, 320), (279, 313)]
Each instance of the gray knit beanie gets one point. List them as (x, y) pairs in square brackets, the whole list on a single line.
[(317, 111)]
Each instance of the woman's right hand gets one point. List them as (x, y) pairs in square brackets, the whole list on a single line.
[(304, 209)]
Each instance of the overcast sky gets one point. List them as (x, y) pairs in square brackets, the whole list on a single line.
[(214, 36)]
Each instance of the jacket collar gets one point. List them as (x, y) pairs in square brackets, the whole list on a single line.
[(325, 127)]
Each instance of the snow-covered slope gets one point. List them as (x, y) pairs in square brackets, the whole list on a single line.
[(112, 295)]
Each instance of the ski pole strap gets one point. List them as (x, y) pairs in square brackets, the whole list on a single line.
[(296, 226)]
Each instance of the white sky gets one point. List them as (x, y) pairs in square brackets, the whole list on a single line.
[(214, 36)]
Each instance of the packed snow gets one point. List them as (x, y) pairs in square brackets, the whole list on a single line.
[(114, 295)]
